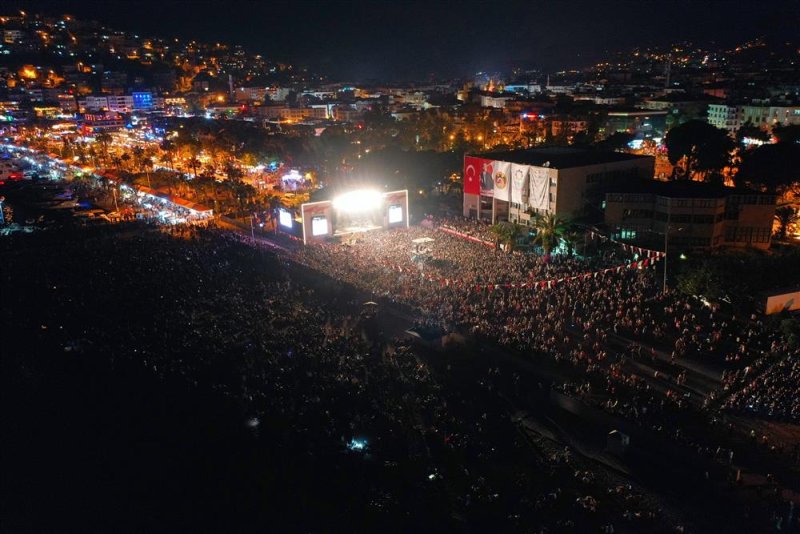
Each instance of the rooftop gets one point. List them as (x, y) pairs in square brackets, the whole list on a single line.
[(560, 157), (680, 189)]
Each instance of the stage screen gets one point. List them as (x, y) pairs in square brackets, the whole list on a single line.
[(285, 218), (395, 214), (319, 226)]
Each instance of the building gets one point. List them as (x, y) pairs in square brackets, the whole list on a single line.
[(92, 103), (495, 100), (769, 116), (120, 103), (649, 123), (142, 100), (732, 117), (102, 122), (561, 180), (250, 94), (696, 215), (13, 36)]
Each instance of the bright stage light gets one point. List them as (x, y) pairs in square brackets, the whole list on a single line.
[(358, 201)]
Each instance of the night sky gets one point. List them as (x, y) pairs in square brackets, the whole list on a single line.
[(402, 40)]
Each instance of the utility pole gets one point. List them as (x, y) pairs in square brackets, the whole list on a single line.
[(252, 230)]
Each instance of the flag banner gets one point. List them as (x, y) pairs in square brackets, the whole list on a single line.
[(502, 177), (450, 231), (539, 188), (520, 188), (487, 178), (472, 175)]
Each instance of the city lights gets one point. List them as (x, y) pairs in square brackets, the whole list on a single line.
[(383, 291)]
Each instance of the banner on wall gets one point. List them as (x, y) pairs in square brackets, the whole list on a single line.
[(502, 179), (539, 188), (487, 178), (519, 183), (473, 167)]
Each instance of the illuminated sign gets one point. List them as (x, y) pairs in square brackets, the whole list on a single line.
[(319, 226), (285, 218), (395, 214)]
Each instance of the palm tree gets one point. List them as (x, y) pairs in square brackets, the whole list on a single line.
[(194, 163), (169, 152), (103, 139), (506, 233), (549, 231), (571, 238), (147, 165)]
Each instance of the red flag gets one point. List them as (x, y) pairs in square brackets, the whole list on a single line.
[(472, 175)]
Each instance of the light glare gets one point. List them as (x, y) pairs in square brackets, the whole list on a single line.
[(358, 201)]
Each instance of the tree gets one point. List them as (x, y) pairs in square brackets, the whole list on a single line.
[(699, 149), (147, 164), (701, 280), (193, 164), (103, 139), (617, 141), (786, 216), (169, 149), (549, 231), (571, 238), (790, 328), (233, 172), (506, 233), (787, 134), (775, 168)]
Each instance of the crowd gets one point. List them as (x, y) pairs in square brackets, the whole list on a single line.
[(655, 359), (770, 391), (369, 423), (354, 424)]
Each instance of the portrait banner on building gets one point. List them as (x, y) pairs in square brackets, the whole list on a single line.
[(487, 178), (519, 183), (473, 167), (502, 180), (540, 188)]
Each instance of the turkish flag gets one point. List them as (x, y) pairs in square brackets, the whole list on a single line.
[(472, 175)]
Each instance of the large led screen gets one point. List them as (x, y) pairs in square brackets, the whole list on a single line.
[(395, 214), (319, 226), (285, 218)]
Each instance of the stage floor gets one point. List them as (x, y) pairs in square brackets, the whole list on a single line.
[(347, 230)]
